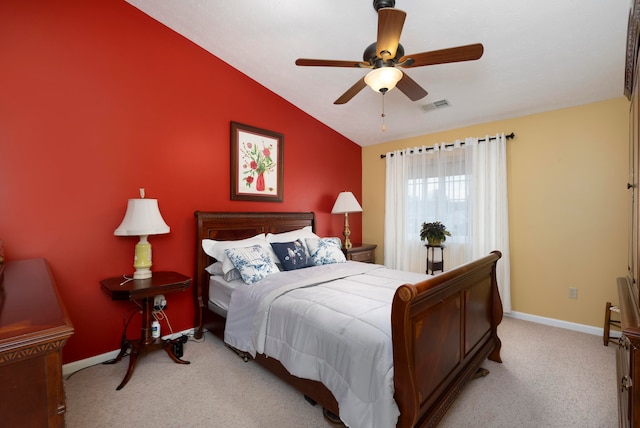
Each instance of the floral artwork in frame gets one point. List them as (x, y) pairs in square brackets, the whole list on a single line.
[(257, 167)]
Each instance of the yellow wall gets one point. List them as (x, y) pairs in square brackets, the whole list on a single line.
[(567, 173)]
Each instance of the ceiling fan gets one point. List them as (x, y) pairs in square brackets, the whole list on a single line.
[(387, 54)]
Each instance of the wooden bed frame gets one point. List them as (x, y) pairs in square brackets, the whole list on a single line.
[(442, 329)]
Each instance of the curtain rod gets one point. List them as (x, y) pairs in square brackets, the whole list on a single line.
[(508, 137)]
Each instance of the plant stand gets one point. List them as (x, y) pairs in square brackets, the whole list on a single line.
[(434, 265)]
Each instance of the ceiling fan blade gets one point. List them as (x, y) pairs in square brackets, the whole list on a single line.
[(444, 56), (410, 88), (351, 92), (329, 63), (390, 23)]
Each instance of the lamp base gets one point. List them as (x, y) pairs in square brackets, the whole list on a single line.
[(142, 259), (142, 274), (347, 244), (347, 232)]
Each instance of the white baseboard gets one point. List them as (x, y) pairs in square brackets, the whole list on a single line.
[(597, 331), (75, 366)]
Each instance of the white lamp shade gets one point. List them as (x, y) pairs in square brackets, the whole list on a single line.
[(346, 203), (142, 218), (383, 79)]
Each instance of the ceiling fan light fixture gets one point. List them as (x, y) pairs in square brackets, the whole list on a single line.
[(383, 79)]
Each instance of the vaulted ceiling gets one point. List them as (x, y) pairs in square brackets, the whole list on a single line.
[(538, 56)]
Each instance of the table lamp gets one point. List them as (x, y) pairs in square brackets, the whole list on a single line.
[(142, 219), (346, 203)]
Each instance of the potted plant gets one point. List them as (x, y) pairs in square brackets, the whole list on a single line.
[(435, 233)]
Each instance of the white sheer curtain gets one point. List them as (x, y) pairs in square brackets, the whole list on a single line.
[(465, 187)]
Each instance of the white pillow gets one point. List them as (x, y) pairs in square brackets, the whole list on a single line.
[(325, 251), (216, 269), (216, 249), (254, 263)]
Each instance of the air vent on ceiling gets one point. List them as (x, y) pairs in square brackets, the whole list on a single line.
[(435, 105)]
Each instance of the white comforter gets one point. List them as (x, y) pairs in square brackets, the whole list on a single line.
[(327, 323)]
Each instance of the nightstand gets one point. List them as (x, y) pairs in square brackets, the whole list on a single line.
[(119, 288), (361, 253)]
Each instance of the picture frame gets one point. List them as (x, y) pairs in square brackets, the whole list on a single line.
[(257, 164)]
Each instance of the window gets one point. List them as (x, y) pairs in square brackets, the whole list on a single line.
[(450, 190)]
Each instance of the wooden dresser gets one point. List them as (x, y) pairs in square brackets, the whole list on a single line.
[(34, 327), (628, 352), (628, 355)]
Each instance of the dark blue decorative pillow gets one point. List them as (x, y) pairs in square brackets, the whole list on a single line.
[(292, 255)]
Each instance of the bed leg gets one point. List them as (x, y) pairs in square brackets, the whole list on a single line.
[(245, 356), (481, 372), (198, 333), (334, 420), (495, 354)]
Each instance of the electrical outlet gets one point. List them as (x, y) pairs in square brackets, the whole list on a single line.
[(159, 303), (573, 293)]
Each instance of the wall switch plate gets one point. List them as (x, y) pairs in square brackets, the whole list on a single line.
[(159, 302), (573, 293)]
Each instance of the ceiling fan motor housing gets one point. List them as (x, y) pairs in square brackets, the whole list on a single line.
[(371, 56), (378, 4)]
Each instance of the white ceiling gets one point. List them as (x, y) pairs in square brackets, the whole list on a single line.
[(538, 55)]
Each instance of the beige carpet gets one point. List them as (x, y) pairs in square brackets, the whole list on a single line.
[(550, 378)]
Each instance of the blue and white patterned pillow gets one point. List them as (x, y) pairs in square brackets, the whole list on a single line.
[(253, 263), (324, 251), (292, 255)]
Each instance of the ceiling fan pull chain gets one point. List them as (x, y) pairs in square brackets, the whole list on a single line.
[(384, 128)]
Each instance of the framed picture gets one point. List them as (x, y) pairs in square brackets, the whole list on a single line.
[(257, 166)]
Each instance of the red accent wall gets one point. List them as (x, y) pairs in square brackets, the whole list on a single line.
[(97, 100)]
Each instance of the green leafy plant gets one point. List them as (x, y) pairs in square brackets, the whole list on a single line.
[(434, 232)]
